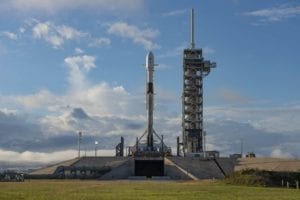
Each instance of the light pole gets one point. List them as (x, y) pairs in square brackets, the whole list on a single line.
[(242, 147), (204, 144), (96, 143)]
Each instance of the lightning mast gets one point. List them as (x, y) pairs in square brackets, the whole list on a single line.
[(195, 68)]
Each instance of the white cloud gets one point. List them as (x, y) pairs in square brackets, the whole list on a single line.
[(68, 32), (41, 30), (78, 51), (273, 120), (275, 14), (175, 13), (78, 66), (137, 35), (55, 34), (9, 35), (96, 99), (102, 110), (57, 5), (41, 157), (280, 120), (278, 153), (8, 111), (22, 30), (99, 42), (40, 99), (85, 61)]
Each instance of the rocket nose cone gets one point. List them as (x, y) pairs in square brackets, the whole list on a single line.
[(150, 55), (150, 61)]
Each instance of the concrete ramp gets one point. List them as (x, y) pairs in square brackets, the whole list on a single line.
[(100, 161), (175, 172), (227, 165), (49, 170), (122, 171), (112, 165), (202, 169)]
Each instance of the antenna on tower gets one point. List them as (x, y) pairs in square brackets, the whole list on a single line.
[(192, 30)]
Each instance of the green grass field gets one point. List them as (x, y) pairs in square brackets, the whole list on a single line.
[(73, 190)]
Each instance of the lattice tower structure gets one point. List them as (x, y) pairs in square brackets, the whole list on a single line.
[(195, 68)]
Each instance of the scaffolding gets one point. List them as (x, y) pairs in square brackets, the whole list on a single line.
[(195, 68)]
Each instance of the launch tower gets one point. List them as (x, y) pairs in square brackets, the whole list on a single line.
[(195, 68)]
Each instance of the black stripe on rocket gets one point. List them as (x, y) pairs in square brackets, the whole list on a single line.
[(150, 88)]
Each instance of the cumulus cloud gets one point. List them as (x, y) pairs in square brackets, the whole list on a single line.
[(81, 62), (56, 35), (73, 120), (278, 153), (226, 136), (40, 99), (78, 66), (99, 42), (99, 110), (16, 129), (57, 130), (46, 158), (9, 35), (283, 119), (100, 98), (273, 120), (58, 5), (78, 51), (134, 33), (275, 14)]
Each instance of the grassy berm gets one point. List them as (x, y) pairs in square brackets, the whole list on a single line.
[(84, 190), (254, 177)]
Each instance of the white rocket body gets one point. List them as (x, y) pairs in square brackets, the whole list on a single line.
[(150, 98)]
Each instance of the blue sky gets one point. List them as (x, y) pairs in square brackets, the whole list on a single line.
[(69, 66)]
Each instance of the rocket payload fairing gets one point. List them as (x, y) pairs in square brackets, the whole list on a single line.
[(150, 98)]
